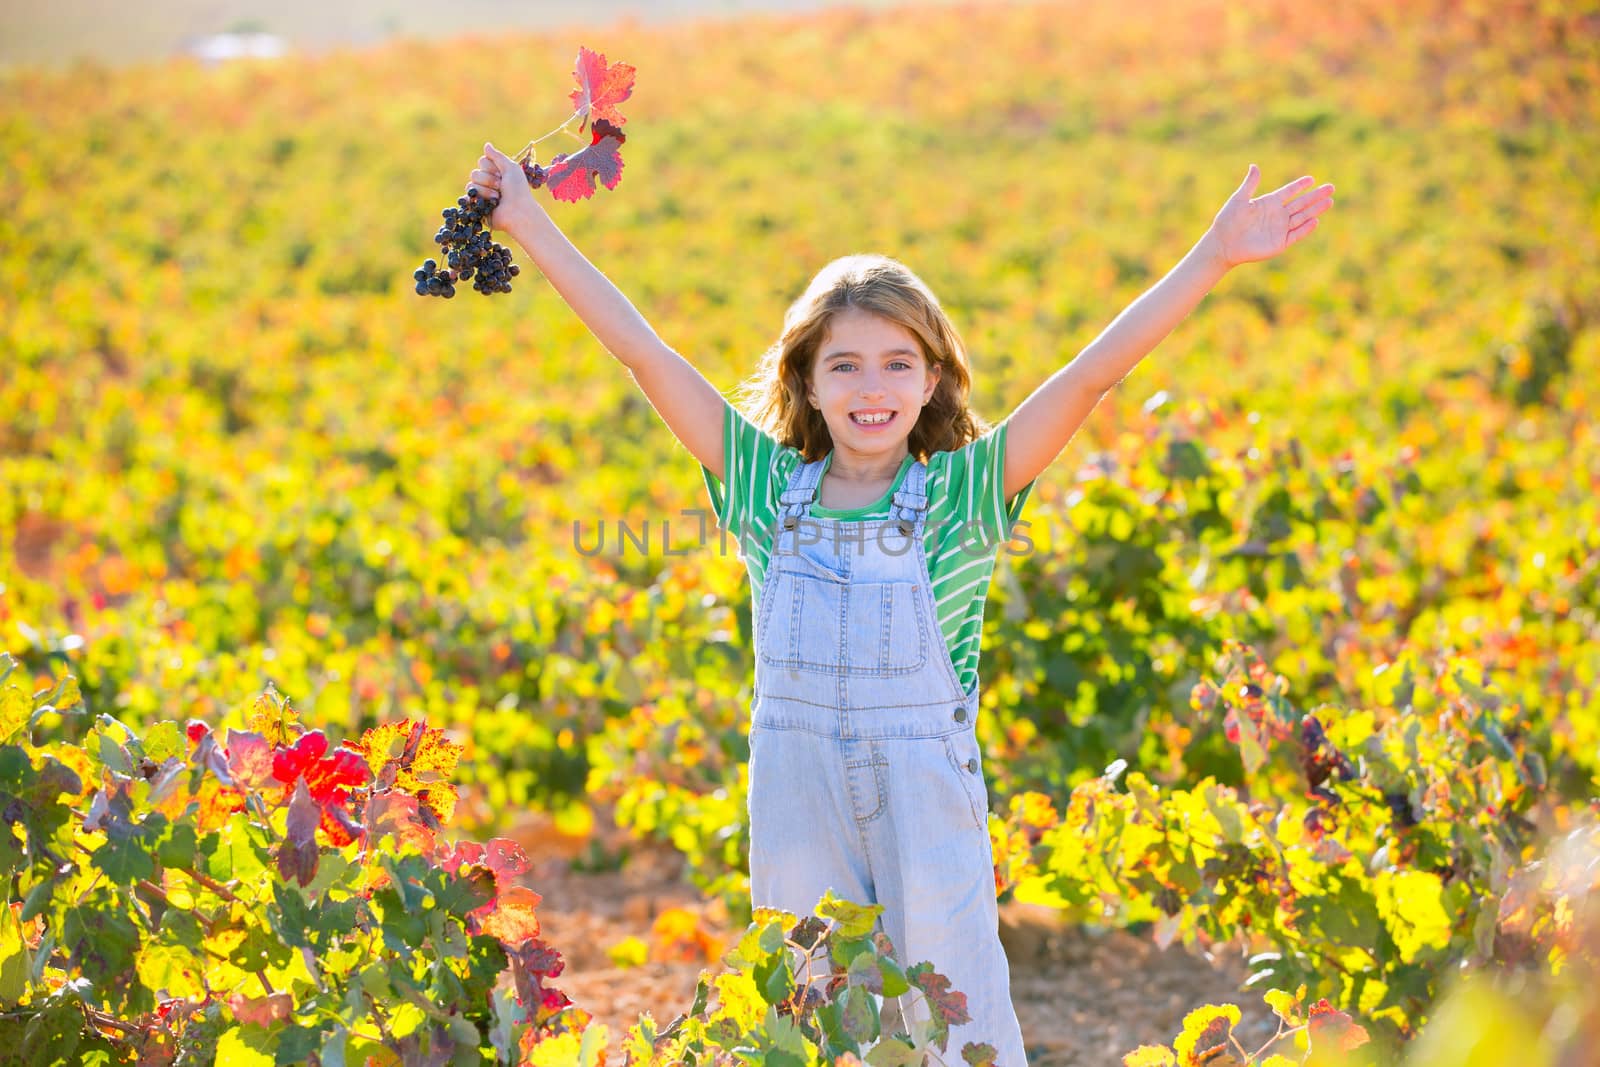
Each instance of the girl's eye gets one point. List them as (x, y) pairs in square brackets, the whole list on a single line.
[(896, 363)]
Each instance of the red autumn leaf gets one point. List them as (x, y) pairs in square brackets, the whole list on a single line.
[(399, 814), (600, 88), (250, 759), (501, 855), (297, 856), (328, 779), (948, 1004), (571, 178), (979, 1054), (1329, 1028), (263, 1011), (512, 917)]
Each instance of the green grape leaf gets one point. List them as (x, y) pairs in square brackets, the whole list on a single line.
[(894, 1053), (860, 1014), (864, 971), (163, 741), (177, 846), (126, 856), (774, 978), (235, 851)]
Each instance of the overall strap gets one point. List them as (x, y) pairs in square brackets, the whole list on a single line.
[(800, 492), (911, 499)]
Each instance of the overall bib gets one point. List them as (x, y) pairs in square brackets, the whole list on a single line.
[(865, 773)]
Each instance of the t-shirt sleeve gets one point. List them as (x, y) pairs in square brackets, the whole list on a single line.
[(975, 479), (743, 497)]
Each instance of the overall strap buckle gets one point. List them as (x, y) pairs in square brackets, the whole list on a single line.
[(911, 500), (800, 492)]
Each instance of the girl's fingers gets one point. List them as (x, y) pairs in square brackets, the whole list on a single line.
[(485, 179)]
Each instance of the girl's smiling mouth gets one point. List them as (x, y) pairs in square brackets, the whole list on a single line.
[(877, 418)]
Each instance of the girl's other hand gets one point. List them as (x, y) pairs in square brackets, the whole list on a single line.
[(501, 178), (1247, 230)]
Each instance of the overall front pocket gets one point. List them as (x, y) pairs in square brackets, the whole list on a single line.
[(967, 764), (863, 628)]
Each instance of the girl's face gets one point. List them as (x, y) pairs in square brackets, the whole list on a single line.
[(869, 367)]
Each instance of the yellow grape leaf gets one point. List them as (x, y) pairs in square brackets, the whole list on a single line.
[(1285, 1004), (854, 919), (236, 1050), (1277, 1059), (77, 761), (1412, 906), (739, 1000), (173, 968), (1205, 1030), (1150, 1056), (431, 754), (568, 1049), (1478, 1026), (15, 707), (277, 722), (629, 952)]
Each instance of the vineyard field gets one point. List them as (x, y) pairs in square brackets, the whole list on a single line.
[(311, 701)]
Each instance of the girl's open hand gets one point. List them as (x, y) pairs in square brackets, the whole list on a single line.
[(1247, 230), (502, 178)]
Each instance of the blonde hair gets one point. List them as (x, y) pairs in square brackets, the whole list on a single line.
[(774, 398)]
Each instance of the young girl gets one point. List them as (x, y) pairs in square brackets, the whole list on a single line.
[(869, 501)]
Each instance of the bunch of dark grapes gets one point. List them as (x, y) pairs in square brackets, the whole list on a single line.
[(469, 253)]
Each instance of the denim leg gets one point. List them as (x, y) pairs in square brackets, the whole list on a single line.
[(934, 869), (805, 835)]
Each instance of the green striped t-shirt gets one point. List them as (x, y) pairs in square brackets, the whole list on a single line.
[(965, 512)]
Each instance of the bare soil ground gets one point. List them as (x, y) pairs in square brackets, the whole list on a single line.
[(1083, 997)]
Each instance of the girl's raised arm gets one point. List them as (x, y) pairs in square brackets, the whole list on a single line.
[(1244, 230), (689, 404)]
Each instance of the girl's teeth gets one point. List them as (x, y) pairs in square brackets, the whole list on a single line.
[(873, 419)]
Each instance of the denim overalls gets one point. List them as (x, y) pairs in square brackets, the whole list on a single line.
[(865, 774)]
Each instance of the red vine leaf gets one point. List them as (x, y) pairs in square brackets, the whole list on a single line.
[(250, 759), (501, 855), (329, 779), (600, 88), (399, 814), (512, 917), (297, 856), (263, 1011), (1329, 1028), (571, 178), (949, 1006)]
